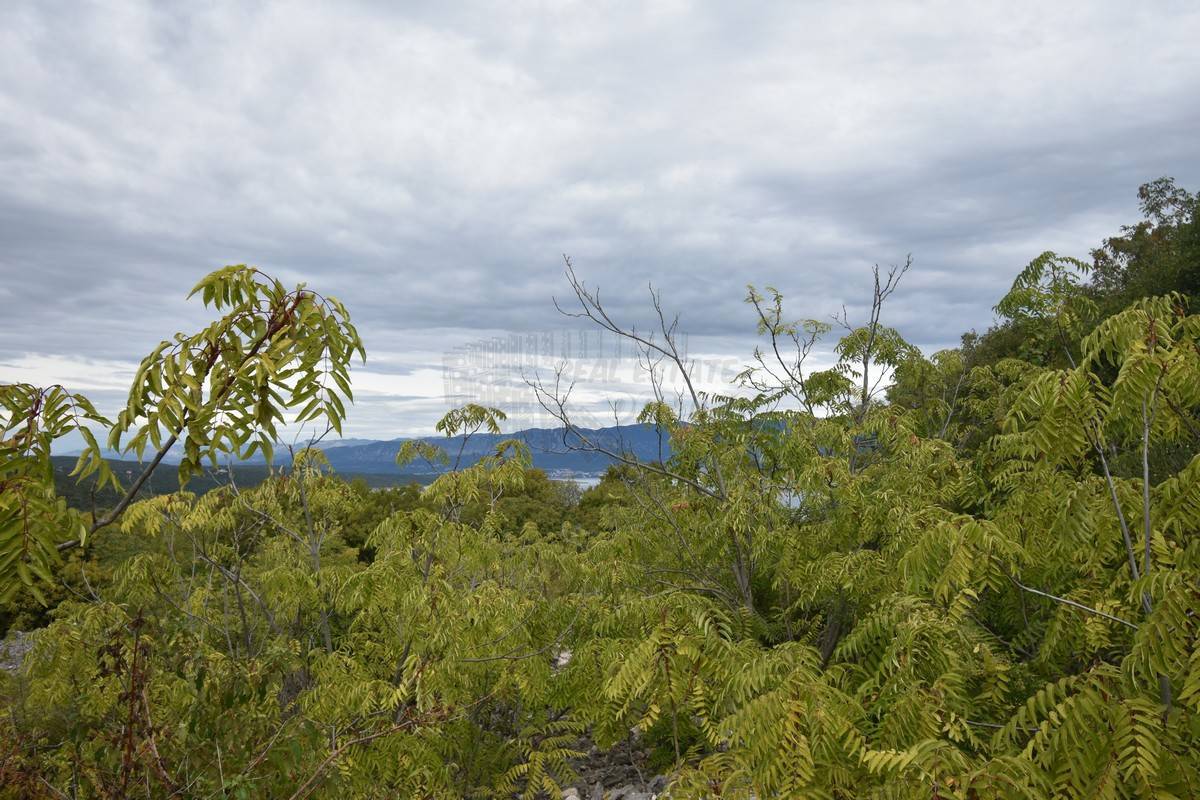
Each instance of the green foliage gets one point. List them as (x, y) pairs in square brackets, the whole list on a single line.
[(887, 347), (33, 518), (221, 391), (225, 389), (954, 594), (1049, 289), (1157, 256)]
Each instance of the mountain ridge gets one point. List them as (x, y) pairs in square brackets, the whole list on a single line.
[(548, 451)]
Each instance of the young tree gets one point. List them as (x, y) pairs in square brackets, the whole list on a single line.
[(223, 390)]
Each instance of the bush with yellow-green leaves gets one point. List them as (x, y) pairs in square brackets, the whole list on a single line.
[(819, 593)]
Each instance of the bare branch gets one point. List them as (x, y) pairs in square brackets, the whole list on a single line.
[(1073, 604), (576, 439)]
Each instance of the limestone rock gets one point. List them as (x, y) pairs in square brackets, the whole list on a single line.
[(13, 650)]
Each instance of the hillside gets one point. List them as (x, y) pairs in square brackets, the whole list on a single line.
[(545, 445), (378, 457), (79, 494)]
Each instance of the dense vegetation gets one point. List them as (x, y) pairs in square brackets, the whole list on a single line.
[(983, 583), (87, 495)]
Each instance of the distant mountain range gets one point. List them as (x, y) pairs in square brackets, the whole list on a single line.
[(376, 457)]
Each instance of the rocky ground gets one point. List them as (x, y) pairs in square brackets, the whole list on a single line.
[(13, 650), (616, 774)]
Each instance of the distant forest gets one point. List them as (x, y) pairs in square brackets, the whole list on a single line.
[(87, 494)]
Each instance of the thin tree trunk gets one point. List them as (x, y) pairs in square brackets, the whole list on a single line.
[(1164, 683)]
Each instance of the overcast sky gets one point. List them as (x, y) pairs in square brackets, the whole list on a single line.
[(429, 164)]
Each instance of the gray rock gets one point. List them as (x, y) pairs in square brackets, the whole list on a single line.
[(13, 650), (657, 785)]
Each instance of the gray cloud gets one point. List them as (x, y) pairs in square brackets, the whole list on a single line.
[(429, 165)]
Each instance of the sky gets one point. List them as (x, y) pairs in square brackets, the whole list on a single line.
[(431, 163)]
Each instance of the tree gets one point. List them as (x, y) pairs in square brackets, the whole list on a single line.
[(873, 344), (1157, 256), (220, 391), (952, 594)]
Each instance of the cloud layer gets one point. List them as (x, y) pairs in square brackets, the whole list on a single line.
[(430, 165)]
